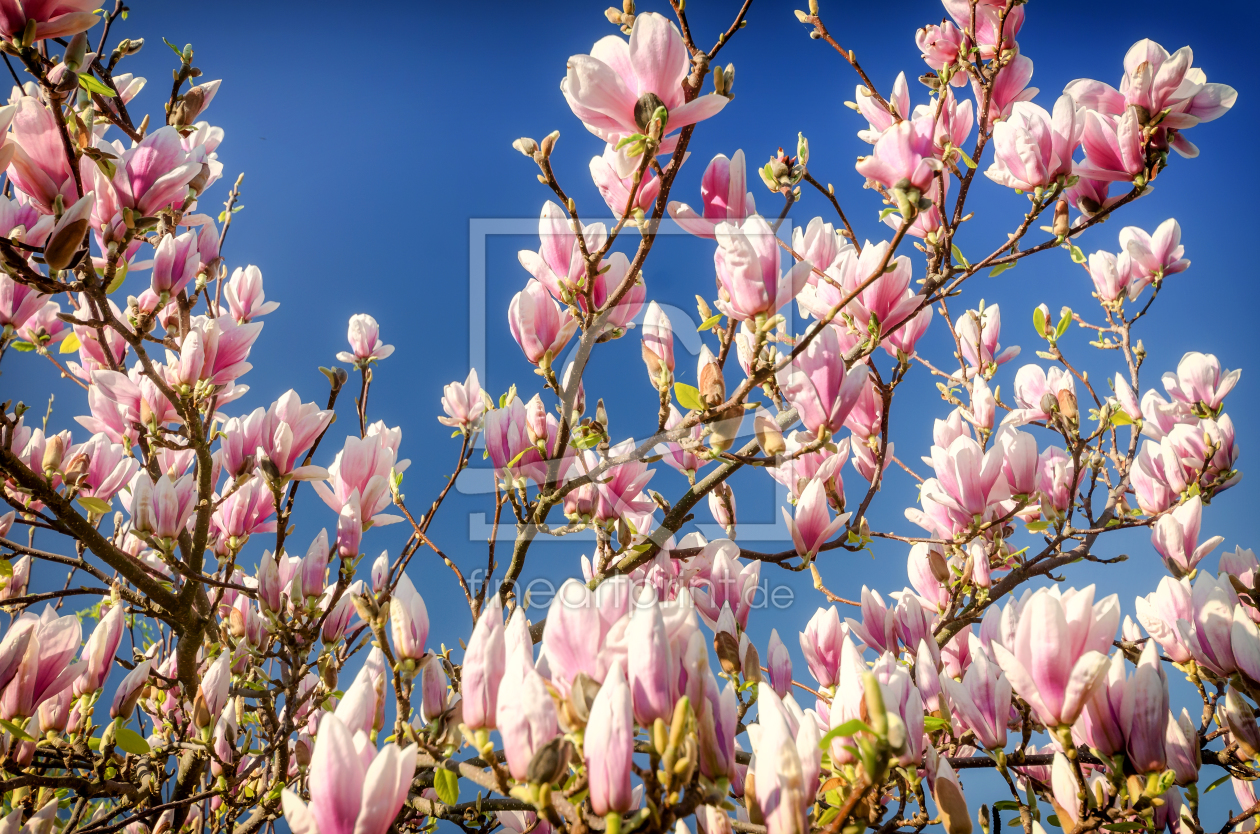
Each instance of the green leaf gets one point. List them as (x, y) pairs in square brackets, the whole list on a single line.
[(1037, 526), (178, 52), (69, 344), (1053, 819), (1063, 325), (16, 731), (931, 722), (120, 275), (968, 161), (94, 505), (93, 85), (1119, 418), (845, 730), (6, 569), (688, 396), (446, 783), (1039, 321), (887, 212), (1006, 805), (1077, 255), (1217, 783), (129, 741), (953, 247), (23, 347), (1124, 826), (1000, 268), (708, 323)]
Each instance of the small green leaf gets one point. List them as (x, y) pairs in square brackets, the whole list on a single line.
[(1000, 268), (1077, 255), (446, 784), (688, 396), (845, 730), (93, 85), (1006, 805), (953, 247), (1039, 321), (931, 722), (119, 276), (1218, 783), (16, 731), (1063, 325), (129, 741), (968, 161), (1037, 526), (94, 505), (69, 344), (1124, 826), (178, 52), (887, 212), (708, 323), (23, 347), (1119, 418), (1053, 819)]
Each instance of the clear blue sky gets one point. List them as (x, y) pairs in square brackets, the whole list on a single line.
[(364, 169)]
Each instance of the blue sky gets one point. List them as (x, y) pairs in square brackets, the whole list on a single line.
[(363, 174)]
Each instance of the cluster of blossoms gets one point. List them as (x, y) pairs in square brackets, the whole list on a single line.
[(266, 682)]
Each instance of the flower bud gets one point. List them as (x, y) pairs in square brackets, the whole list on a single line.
[(1061, 226), (1067, 403), (769, 435), (65, 243), (53, 451), (526, 146), (76, 51), (712, 386)]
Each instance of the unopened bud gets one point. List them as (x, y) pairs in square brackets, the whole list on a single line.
[(76, 51), (712, 386), (769, 435), (1061, 225), (549, 142), (938, 566), (727, 649), (53, 451), (1067, 403), (802, 149), (526, 146)]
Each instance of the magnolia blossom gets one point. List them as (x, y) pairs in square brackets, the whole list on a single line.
[(464, 403), (1033, 149), (722, 195), (365, 340), (747, 261), (1154, 256), (617, 87), (818, 386), (538, 324), (813, 526)]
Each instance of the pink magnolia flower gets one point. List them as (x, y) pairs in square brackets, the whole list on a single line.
[(109, 467), (1216, 633), (1154, 256), (979, 333), (728, 585), (175, 263), (1032, 384), (747, 262), (56, 19), (526, 715), (903, 157), (722, 195), (43, 328), (681, 457), (649, 664), (877, 630), (658, 345), (98, 652), (39, 168), (464, 403), (989, 17), (1169, 91), (289, 429), (1058, 478), (788, 761), (813, 525), (941, 46), (1113, 147), (1010, 87), (616, 188), (354, 789), (968, 480), (1058, 657), (214, 351), (616, 89), (538, 324), (162, 509), (408, 620), (608, 746), (879, 119), (361, 471), (779, 664), (1200, 383), (818, 386), (824, 465), (982, 701), (821, 642), (18, 302), (39, 660), (129, 690), (818, 243), (245, 297), (149, 177), (1144, 712), (1176, 537), (1111, 275), (1033, 149), (559, 263), (951, 120), (364, 336), (483, 667)]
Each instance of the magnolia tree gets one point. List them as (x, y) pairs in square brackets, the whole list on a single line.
[(243, 674)]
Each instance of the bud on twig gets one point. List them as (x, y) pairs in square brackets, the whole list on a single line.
[(712, 386), (526, 146), (1061, 226), (769, 435)]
